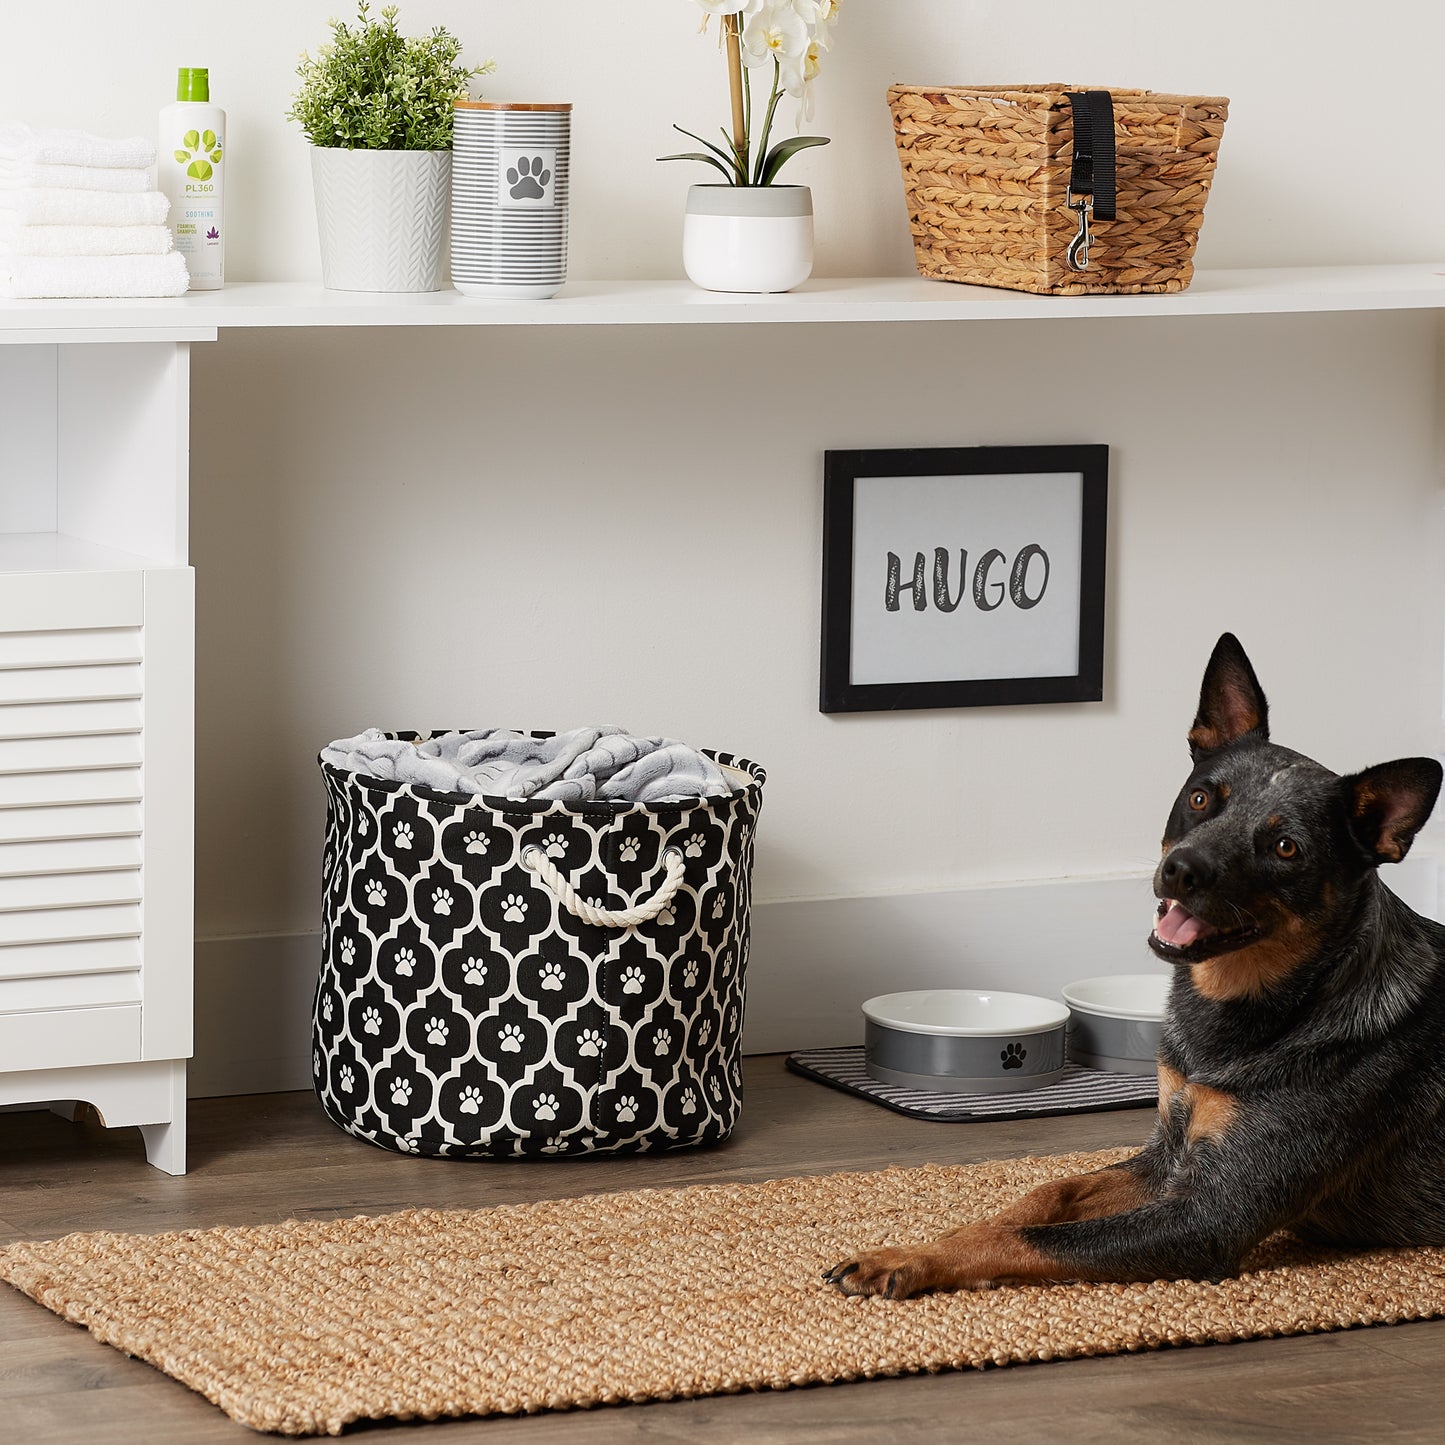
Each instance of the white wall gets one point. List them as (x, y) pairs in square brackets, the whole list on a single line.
[(543, 529)]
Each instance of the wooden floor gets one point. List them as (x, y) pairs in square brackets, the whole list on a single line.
[(266, 1158)]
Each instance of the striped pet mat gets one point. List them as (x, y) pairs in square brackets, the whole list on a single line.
[(1080, 1091)]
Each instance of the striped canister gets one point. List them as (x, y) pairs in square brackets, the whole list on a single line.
[(509, 198)]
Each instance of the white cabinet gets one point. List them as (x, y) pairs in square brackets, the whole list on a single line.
[(97, 627)]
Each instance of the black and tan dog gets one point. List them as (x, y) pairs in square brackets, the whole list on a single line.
[(1302, 1069)]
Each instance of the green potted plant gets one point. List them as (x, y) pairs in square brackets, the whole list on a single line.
[(376, 108), (749, 232)]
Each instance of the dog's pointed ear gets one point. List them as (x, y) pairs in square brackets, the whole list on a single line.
[(1231, 702), (1389, 804)]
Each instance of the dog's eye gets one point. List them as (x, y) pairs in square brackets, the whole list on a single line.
[(1285, 847), (1199, 800)]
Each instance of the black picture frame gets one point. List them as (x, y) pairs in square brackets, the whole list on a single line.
[(842, 470)]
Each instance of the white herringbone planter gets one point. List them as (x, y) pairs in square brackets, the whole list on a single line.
[(382, 217)]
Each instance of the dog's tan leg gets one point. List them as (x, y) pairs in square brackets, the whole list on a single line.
[(977, 1256)]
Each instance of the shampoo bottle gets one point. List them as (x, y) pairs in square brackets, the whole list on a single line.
[(190, 165)]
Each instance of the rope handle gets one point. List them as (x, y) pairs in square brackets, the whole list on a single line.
[(536, 861)]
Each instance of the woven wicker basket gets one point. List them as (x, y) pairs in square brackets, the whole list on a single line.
[(986, 170)]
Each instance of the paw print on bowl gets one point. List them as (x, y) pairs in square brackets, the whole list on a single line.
[(405, 962), (514, 908), (716, 1086), (371, 1021), (589, 1043), (689, 974), (719, 905), (401, 1092), (554, 845), (348, 951), (554, 1144), (401, 835), (346, 1078), (704, 1033), (627, 1109), (694, 846), (546, 1107), (527, 180), (552, 977), (436, 1030), (627, 853), (470, 1101), (475, 972), (441, 901), (662, 1043), (1013, 1056), (510, 1039), (632, 979), (476, 842), (407, 1146), (327, 1008), (375, 893), (689, 1102)]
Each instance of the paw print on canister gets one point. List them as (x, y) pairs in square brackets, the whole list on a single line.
[(627, 1109), (1013, 1056), (551, 978), (632, 979), (589, 1043), (546, 1108), (510, 1039), (436, 1030), (528, 179), (554, 845), (371, 1021), (514, 908), (470, 1101)]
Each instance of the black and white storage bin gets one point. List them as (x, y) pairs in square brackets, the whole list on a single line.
[(508, 979)]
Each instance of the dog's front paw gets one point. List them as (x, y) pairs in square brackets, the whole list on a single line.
[(889, 1273)]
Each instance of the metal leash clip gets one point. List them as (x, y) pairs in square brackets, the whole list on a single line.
[(1078, 252)]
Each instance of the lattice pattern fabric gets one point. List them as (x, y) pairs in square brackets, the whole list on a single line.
[(463, 1010)]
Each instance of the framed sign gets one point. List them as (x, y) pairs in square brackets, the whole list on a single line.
[(963, 577)]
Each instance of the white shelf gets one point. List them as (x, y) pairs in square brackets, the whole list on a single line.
[(57, 552), (651, 303)]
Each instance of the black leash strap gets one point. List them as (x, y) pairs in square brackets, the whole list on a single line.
[(1091, 178)]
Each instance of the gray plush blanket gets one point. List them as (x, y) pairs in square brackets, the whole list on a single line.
[(576, 767)]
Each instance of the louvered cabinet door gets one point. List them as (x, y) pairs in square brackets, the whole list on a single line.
[(95, 788)]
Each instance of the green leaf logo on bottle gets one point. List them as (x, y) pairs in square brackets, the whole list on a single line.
[(201, 153)]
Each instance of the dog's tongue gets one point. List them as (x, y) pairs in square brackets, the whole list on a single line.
[(1179, 926)]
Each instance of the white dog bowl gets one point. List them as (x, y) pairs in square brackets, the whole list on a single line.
[(1115, 1021), (964, 1040)]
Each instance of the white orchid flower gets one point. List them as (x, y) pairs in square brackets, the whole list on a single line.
[(823, 26), (774, 33), (729, 7)]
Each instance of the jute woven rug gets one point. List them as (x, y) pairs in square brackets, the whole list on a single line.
[(301, 1328)]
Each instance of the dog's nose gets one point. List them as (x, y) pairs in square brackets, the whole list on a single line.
[(1186, 871)]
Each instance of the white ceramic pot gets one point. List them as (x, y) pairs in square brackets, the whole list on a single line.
[(748, 238), (382, 217)]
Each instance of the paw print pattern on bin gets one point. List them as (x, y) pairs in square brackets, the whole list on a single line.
[(461, 1011)]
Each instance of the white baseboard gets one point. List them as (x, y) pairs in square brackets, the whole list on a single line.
[(813, 963)]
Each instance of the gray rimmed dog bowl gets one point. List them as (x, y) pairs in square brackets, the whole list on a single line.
[(964, 1040), (1115, 1021)]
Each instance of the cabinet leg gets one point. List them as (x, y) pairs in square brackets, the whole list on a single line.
[(166, 1145)]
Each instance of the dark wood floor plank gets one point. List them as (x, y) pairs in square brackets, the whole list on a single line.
[(262, 1159)]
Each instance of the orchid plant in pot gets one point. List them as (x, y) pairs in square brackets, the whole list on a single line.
[(748, 232)]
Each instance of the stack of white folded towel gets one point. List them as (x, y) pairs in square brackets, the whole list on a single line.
[(80, 216)]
